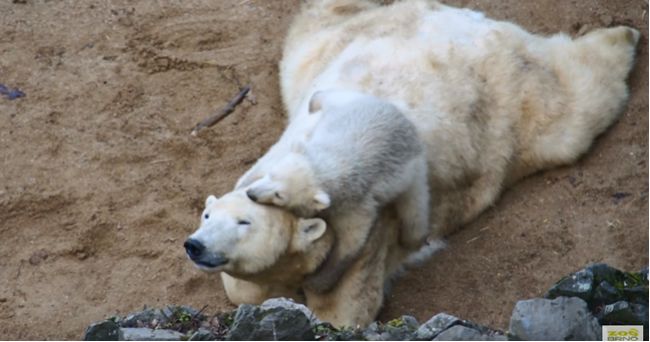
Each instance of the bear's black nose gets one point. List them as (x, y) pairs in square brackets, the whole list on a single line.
[(251, 195), (194, 248)]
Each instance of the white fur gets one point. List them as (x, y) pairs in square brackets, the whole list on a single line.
[(492, 103)]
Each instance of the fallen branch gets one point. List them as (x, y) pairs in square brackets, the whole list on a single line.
[(229, 108)]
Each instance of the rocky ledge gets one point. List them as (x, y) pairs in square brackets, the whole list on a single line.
[(573, 309)]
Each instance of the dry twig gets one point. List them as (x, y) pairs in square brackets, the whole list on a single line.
[(229, 108)]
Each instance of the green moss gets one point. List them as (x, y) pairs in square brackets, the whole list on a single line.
[(626, 280), (226, 318), (397, 323)]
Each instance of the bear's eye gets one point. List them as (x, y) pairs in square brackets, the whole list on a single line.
[(243, 222), (206, 216), (277, 195)]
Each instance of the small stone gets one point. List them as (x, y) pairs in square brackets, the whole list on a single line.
[(435, 326), (560, 319), (254, 323), (81, 255), (38, 256), (146, 334), (462, 333), (290, 304), (103, 331), (579, 284)]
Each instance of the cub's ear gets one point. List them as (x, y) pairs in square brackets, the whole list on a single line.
[(298, 147), (326, 99), (309, 230), (321, 200), (211, 199), (316, 102)]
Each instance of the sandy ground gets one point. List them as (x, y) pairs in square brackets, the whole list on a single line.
[(100, 181)]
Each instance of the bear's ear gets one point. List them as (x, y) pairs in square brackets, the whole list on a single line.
[(321, 200), (309, 230), (316, 102), (211, 199)]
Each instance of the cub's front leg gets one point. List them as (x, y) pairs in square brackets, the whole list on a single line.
[(351, 229), (357, 298)]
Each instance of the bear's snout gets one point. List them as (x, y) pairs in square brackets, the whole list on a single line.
[(194, 248)]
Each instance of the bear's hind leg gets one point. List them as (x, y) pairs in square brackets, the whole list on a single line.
[(592, 69), (413, 209)]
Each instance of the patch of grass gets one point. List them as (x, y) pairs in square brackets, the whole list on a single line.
[(183, 321)]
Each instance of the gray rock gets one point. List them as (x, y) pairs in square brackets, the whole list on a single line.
[(279, 324), (636, 294), (604, 272), (624, 313), (644, 273), (605, 293), (411, 322), (103, 331), (560, 319), (144, 317), (402, 329), (290, 304), (146, 334), (579, 284), (434, 326), (372, 332), (202, 335), (395, 334), (462, 333), (327, 332)]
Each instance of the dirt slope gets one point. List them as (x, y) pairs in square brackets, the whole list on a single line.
[(100, 181)]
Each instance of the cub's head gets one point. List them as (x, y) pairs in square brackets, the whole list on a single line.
[(291, 184), (239, 236)]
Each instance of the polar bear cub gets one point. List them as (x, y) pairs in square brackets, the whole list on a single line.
[(362, 154)]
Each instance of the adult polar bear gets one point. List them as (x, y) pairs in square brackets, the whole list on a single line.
[(492, 102)]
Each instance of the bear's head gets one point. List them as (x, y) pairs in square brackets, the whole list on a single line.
[(292, 184), (249, 240)]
